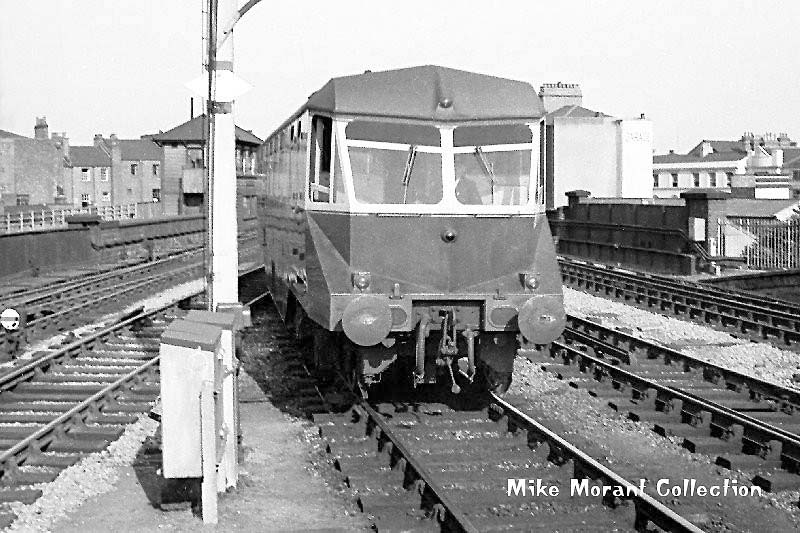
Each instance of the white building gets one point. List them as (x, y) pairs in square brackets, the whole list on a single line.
[(589, 150), (753, 164)]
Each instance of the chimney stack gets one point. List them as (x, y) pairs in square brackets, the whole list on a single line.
[(98, 139), (707, 149), (557, 95), (40, 130)]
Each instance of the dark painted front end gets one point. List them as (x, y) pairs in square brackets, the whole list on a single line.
[(469, 262)]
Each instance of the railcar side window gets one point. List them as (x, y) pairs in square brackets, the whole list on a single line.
[(493, 164), (320, 167), (395, 163)]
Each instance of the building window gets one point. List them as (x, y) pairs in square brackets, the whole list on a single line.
[(655, 180), (729, 178), (130, 191), (85, 198), (134, 168), (106, 196), (696, 179), (23, 199), (103, 174), (86, 175), (155, 169), (156, 195), (59, 190), (674, 179), (712, 179)]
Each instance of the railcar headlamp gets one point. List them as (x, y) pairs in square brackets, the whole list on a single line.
[(361, 280), (530, 281), (367, 320)]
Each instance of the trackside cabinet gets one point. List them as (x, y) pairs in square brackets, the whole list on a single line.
[(227, 415), (188, 359)]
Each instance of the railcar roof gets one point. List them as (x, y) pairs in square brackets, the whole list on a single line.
[(428, 93)]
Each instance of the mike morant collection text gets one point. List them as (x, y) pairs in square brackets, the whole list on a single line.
[(663, 487)]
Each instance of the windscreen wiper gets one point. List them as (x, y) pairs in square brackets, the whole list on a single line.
[(412, 156), (487, 169)]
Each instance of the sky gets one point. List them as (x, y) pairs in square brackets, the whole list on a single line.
[(698, 69)]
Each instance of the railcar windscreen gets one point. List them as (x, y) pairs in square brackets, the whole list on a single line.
[(493, 164), (395, 163), (390, 176)]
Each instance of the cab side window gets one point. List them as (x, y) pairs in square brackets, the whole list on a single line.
[(321, 159)]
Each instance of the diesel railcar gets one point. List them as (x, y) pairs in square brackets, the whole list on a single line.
[(404, 229)]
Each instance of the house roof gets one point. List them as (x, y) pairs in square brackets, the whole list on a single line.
[(139, 150), (575, 111), (719, 147), (749, 207), (419, 92), (688, 158), (10, 135), (194, 131), (88, 156), (791, 158)]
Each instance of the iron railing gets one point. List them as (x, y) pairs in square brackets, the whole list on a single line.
[(764, 243), (46, 219)]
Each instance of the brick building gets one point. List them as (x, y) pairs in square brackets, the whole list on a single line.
[(31, 169), (184, 163), (87, 176), (113, 171)]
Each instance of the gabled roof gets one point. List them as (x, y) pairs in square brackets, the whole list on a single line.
[(10, 135), (139, 150), (719, 147), (428, 93), (88, 156), (575, 111), (193, 131), (687, 158)]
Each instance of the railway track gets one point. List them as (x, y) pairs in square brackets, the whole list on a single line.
[(759, 318), (427, 466), (438, 466), (57, 408), (742, 422), (63, 306), (76, 399)]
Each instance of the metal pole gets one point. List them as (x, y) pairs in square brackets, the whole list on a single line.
[(221, 200)]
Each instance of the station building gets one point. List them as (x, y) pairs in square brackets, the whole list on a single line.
[(757, 166), (184, 164), (590, 150), (31, 169)]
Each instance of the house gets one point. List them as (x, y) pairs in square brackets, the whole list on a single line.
[(183, 168), (113, 172), (31, 168), (755, 166), (589, 150)]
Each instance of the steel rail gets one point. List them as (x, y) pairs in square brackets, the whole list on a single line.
[(36, 438), (422, 473), (641, 384), (753, 298), (648, 509), (693, 302), (35, 295), (19, 373), (787, 398)]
